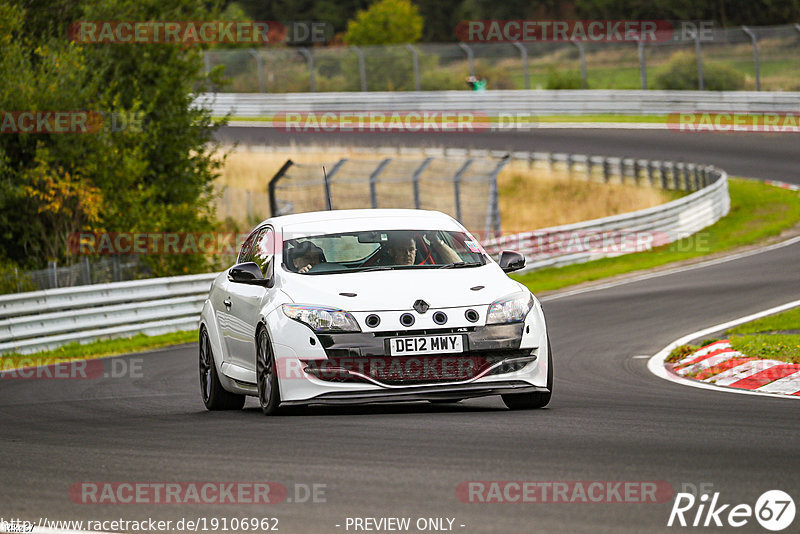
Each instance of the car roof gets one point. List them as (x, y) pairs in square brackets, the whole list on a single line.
[(335, 221)]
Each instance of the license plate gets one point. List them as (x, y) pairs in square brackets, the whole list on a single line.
[(408, 346)]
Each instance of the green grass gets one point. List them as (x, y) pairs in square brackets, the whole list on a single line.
[(96, 349), (788, 320), (608, 117), (782, 347), (757, 211)]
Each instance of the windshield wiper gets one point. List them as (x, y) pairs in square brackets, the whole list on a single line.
[(460, 264), (373, 268)]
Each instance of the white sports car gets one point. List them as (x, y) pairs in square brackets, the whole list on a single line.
[(359, 306)]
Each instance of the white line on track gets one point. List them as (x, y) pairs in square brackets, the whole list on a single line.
[(656, 364), (668, 272)]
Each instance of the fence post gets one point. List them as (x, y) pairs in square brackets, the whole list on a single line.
[(696, 172), (637, 168), (755, 56), (523, 52), (588, 168), (86, 271), (273, 201), (470, 57), (701, 82), (326, 177), (415, 179), (259, 69), (664, 183), (457, 186), (606, 170), (362, 68), (651, 175), (582, 54), (415, 60), (53, 271), (493, 222), (570, 164), (642, 64), (373, 180), (116, 268), (303, 51)]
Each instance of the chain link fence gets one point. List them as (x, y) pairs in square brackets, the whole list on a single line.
[(765, 58), (465, 188), (86, 271)]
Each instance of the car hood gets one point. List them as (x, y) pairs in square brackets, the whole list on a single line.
[(398, 290)]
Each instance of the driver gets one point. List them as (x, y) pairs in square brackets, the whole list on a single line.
[(402, 248), (306, 255)]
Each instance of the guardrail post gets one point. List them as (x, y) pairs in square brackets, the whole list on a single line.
[(606, 170), (622, 170), (663, 169), (551, 160), (273, 201), (705, 176), (701, 82), (570, 164), (696, 175), (523, 52), (415, 60), (651, 175), (470, 57), (415, 180), (362, 68), (636, 170), (642, 64), (582, 55), (373, 181), (259, 69), (755, 56), (687, 177), (303, 51), (588, 168), (457, 186)]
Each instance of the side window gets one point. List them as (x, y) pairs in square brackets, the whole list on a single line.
[(264, 250), (247, 248)]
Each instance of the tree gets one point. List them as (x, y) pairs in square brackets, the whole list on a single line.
[(385, 22)]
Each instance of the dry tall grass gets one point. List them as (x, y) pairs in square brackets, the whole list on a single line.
[(530, 197)]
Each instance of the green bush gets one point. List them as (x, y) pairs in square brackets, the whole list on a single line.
[(680, 73), (563, 79)]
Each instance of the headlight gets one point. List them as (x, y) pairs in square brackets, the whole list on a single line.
[(322, 319), (510, 309)]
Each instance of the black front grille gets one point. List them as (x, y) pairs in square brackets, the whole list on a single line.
[(417, 370)]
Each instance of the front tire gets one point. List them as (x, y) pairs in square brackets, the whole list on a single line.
[(266, 374), (215, 397), (533, 401)]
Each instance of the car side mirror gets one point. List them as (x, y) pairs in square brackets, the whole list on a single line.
[(511, 261), (248, 273)]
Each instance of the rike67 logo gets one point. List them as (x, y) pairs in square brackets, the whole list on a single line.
[(774, 510)]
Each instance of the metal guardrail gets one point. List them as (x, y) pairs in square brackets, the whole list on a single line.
[(502, 103), (44, 320)]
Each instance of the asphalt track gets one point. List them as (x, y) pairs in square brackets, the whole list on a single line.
[(610, 419)]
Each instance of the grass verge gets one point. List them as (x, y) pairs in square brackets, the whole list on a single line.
[(96, 349), (771, 338), (758, 211)]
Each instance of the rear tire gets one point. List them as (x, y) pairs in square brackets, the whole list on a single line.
[(533, 401), (215, 397), (266, 374)]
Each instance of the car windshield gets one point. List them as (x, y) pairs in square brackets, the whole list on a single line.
[(381, 250)]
